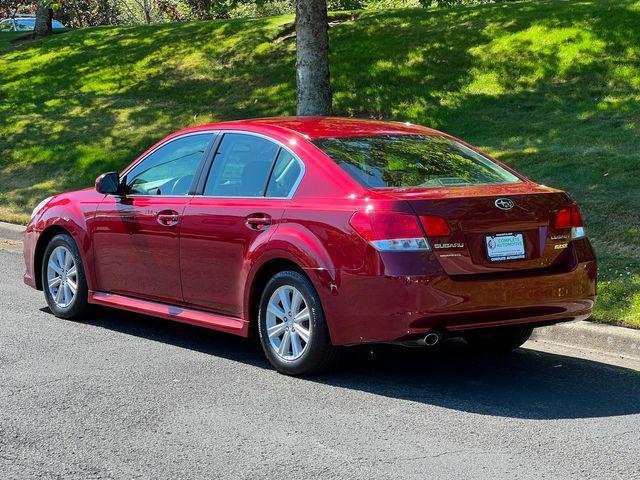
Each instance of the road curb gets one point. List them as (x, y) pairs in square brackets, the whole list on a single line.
[(11, 231), (619, 341)]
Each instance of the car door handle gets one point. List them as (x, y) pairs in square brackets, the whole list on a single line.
[(258, 221), (168, 218)]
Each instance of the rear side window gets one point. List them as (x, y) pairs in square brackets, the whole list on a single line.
[(412, 161), (284, 176), (169, 170), (241, 166)]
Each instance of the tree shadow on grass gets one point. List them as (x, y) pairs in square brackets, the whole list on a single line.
[(107, 93), (97, 98), (525, 384)]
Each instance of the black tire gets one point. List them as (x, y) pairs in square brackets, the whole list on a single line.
[(499, 341), (79, 305), (319, 354)]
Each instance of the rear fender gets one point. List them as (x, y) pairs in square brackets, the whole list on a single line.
[(298, 245)]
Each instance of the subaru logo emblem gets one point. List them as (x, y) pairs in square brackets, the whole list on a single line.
[(504, 204)]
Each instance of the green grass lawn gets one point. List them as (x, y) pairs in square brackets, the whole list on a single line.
[(7, 39), (551, 88)]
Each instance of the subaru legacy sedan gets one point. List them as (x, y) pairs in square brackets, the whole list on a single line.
[(315, 233)]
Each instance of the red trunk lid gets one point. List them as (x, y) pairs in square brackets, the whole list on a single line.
[(475, 221)]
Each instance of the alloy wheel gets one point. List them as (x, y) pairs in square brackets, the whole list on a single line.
[(288, 323), (62, 276)]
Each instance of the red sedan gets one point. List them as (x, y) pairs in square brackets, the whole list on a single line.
[(316, 233)]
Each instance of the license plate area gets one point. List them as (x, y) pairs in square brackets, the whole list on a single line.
[(502, 247)]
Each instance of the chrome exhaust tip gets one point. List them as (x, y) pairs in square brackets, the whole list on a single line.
[(432, 339)]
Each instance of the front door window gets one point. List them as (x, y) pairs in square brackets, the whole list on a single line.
[(170, 169)]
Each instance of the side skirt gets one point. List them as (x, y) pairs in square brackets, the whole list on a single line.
[(172, 312)]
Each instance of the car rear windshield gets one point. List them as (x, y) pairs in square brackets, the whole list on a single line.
[(412, 161)]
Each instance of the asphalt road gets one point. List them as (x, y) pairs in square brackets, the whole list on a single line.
[(126, 396)]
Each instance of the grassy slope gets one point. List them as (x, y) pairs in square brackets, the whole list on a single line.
[(551, 88)]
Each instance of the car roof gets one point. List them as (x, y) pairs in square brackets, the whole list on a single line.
[(24, 17), (322, 127)]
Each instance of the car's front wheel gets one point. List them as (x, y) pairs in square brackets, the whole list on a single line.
[(292, 328), (499, 341), (63, 279)]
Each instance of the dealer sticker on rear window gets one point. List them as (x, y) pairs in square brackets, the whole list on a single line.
[(505, 246)]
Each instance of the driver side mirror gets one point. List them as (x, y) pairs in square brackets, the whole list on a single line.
[(108, 183)]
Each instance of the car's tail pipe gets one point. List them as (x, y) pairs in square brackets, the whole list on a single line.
[(432, 338)]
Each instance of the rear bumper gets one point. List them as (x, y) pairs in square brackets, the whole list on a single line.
[(382, 308)]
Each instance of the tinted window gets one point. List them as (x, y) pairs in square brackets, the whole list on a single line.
[(285, 173), (170, 169), (6, 26), (241, 166), (396, 161)]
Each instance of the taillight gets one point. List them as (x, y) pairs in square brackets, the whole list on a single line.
[(563, 218), (569, 217), (435, 226), (390, 230)]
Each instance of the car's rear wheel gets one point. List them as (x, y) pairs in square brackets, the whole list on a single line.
[(292, 327), (63, 278), (499, 341)]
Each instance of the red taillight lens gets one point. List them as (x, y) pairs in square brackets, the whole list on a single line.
[(435, 226), (563, 218), (568, 217), (385, 225), (390, 230), (576, 218)]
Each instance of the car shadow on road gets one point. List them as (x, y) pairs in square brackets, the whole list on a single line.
[(524, 384)]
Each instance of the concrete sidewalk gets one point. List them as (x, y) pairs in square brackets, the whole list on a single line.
[(618, 341), (10, 231)]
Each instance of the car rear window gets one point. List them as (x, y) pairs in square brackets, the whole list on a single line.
[(412, 161)]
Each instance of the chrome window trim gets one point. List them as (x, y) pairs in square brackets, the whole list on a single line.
[(138, 195), (142, 159), (295, 185)]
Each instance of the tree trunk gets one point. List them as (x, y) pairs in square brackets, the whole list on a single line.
[(42, 27), (312, 58), (147, 12), (49, 20)]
